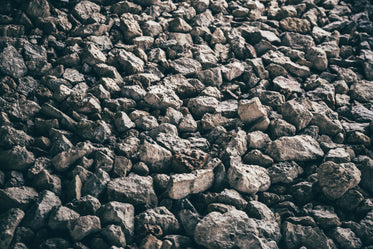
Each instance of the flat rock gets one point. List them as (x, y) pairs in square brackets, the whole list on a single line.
[(12, 63), (84, 226), (17, 197), (155, 156), (296, 148), (186, 66)]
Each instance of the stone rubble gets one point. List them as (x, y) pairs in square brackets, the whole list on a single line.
[(160, 124)]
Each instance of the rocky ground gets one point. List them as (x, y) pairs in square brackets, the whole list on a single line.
[(186, 124)]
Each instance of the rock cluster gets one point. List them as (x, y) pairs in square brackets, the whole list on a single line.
[(213, 124)]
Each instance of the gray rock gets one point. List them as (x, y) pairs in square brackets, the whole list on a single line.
[(92, 55), (27, 85), (248, 178), (258, 210), (297, 148), (318, 58), (159, 216), (338, 155), (256, 157), (188, 219), (72, 75), (83, 226), (123, 122), (162, 97), (12, 63), (129, 27), (47, 181), (129, 62), (156, 157), (60, 216), (299, 235), (336, 179), (182, 185), (297, 41), (200, 105), (325, 216), (186, 66), (294, 24), (114, 234), (179, 25), (361, 91), (284, 172), (11, 137), (86, 205), (65, 159), (226, 230), (17, 158), (17, 197), (279, 128), (252, 111), (122, 214), (233, 70), (85, 9), (37, 215), (96, 183), (367, 57), (38, 8), (186, 160), (366, 231), (211, 77), (287, 86), (96, 131), (361, 113), (296, 114), (9, 221), (346, 238), (134, 189)]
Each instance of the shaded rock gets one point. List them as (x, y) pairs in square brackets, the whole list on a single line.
[(297, 148), (202, 104), (162, 97), (284, 172), (159, 216), (12, 63), (297, 41), (279, 128), (65, 159), (9, 221), (114, 234), (96, 131), (256, 157), (96, 183), (252, 111), (361, 91), (83, 226), (286, 86), (11, 137), (336, 179), (325, 216), (248, 178), (346, 238), (181, 185), (186, 66), (318, 58), (156, 157), (17, 158), (134, 189), (17, 197), (129, 62), (338, 155), (294, 24), (93, 55), (129, 27), (296, 114), (85, 9), (188, 160), (257, 139)]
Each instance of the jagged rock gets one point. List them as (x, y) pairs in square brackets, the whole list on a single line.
[(11, 137), (336, 179), (294, 24), (65, 159), (114, 234), (188, 160), (297, 148), (284, 172), (12, 63), (162, 97), (338, 155), (252, 111), (202, 104), (346, 238), (134, 189), (296, 114), (60, 216), (17, 197), (248, 178), (361, 90), (129, 62), (318, 58), (186, 66), (181, 185), (287, 86), (155, 156), (9, 221), (83, 226), (325, 216), (17, 158), (96, 131)]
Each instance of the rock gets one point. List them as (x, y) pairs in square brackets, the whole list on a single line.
[(151, 242), (96, 183), (17, 158), (297, 41), (129, 62), (185, 66), (9, 221), (83, 226), (346, 238), (294, 24), (37, 215), (366, 228), (38, 8), (181, 185), (186, 160), (297, 148), (12, 63), (284, 172), (93, 55), (233, 70), (279, 127), (258, 210), (296, 114), (156, 157), (179, 25), (134, 189), (361, 90), (338, 155), (65, 159), (252, 111), (17, 197), (202, 104), (248, 178), (257, 140), (11, 137), (114, 234), (59, 218), (256, 157), (286, 86), (123, 122), (119, 213), (318, 58), (96, 131), (299, 235), (27, 85), (129, 27), (336, 179), (226, 230), (325, 216), (159, 216), (162, 97)]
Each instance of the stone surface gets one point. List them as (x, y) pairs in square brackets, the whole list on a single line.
[(297, 148), (83, 226), (12, 63)]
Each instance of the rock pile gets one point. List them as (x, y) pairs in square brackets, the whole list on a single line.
[(211, 124)]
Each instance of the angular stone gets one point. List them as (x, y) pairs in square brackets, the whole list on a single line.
[(134, 189), (38, 8), (256, 157), (17, 197), (257, 140), (318, 58), (287, 86), (129, 62), (284, 172), (252, 111), (297, 41), (114, 234), (361, 91), (346, 238), (200, 105), (162, 97), (93, 55), (338, 155), (182, 185), (11, 137), (83, 226), (9, 221), (59, 218), (233, 70), (159, 216), (17, 158), (188, 160), (96, 131), (297, 148), (179, 25), (65, 159), (186, 66), (325, 216), (336, 179), (294, 24), (12, 63), (156, 157), (296, 114), (248, 178), (129, 27), (85, 9)]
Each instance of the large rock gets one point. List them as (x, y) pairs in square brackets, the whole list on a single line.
[(284, 172), (225, 231), (200, 105), (83, 226), (248, 178), (17, 158), (155, 156), (362, 91), (65, 159), (9, 221), (85, 9), (251, 111), (134, 189), (186, 66), (12, 63), (336, 179), (181, 185), (162, 97), (296, 148), (17, 197), (296, 114)]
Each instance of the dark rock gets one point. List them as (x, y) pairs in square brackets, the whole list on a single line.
[(9, 221), (284, 172), (17, 158), (12, 63), (83, 226), (346, 238), (60, 216)]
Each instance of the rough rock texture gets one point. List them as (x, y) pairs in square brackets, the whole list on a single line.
[(166, 124)]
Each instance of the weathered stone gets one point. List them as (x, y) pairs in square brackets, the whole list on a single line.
[(12, 63), (294, 24), (156, 157), (83, 226), (96, 183), (162, 97), (114, 234), (296, 114), (257, 140), (93, 55), (346, 238), (279, 127), (129, 26), (65, 159), (256, 157), (129, 62), (9, 221), (338, 155), (200, 105), (186, 160), (17, 158), (17, 197), (38, 8), (186, 66), (248, 178), (252, 111), (284, 172), (181, 185), (96, 131), (297, 148), (134, 189), (336, 179), (325, 216), (287, 86), (60, 216), (318, 58), (361, 91)]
